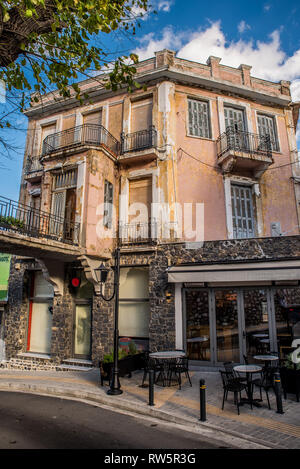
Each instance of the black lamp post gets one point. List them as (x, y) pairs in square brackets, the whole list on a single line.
[(101, 276)]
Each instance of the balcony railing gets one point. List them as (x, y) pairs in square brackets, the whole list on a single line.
[(33, 165), (86, 134), (17, 217), (138, 141), (241, 141), (147, 233)]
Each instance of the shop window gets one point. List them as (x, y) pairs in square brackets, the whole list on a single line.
[(40, 315), (134, 305)]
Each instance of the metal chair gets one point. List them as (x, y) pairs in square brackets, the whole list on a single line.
[(232, 384), (177, 367), (149, 364), (266, 382), (229, 368)]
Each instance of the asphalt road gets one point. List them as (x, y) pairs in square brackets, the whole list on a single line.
[(37, 422)]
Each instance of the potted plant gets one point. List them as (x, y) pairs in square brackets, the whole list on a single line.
[(128, 361), (290, 377)]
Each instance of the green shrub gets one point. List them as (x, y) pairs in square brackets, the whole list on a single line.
[(12, 222)]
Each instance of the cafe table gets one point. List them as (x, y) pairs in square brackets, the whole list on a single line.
[(164, 359), (266, 358), (249, 370)]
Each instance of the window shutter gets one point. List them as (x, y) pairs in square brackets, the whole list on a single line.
[(108, 201), (242, 212), (198, 118), (266, 127)]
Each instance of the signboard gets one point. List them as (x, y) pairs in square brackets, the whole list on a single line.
[(4, 275)]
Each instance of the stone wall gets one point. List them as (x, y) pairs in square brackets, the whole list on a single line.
[(161, 295)]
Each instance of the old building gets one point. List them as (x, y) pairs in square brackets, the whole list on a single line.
[(196, 178)]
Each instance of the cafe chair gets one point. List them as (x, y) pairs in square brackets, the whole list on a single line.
[(177, 368), (232, 384), (265, 382), (228, 366), (149, 364)]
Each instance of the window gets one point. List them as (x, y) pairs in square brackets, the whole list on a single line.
[(199, 122), (40, 315), (108, 204), (141, 115), (266, 127), (134, 303), (242, 211), (64, 204)]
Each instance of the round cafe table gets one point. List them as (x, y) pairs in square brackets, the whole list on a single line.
[(164, 359), (266, 358), (249, 370)]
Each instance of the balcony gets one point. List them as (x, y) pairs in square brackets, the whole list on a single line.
[(82, 135), (147, 233), (139, 144), (244, 153), (23, 219), (33, 169)]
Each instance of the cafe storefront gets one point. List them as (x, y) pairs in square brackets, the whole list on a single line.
[(225, 312)]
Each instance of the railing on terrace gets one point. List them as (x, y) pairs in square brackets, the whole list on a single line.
[(242, 141), (28, 221), (147, 233), (138, 141), (33, 165), (89, 134)]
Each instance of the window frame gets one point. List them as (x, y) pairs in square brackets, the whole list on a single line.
[(274, 148), (253, 210), (209, 124), (108, 204)]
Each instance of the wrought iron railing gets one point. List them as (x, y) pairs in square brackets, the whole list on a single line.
[(140, 140), (24, 219), (33, 165), (143, 233), (242, 141), (89, 134)]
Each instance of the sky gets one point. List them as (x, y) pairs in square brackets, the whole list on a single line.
[(263, 34)]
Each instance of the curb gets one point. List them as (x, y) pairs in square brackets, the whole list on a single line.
[(119, 404)]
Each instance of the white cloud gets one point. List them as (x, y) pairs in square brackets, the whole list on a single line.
[(267, 57), (267, 7), (164, 5), (243, 26)]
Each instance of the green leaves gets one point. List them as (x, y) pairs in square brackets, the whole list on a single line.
[(59, 46)]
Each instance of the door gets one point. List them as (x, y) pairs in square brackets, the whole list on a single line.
[(58, 213), (41, 328), (235, 126), (140, 198), (82, 331)]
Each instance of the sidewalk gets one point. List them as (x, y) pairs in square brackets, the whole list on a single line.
[(257, 428)]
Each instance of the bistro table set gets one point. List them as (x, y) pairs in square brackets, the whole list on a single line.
[(168, 367), (263, 379)]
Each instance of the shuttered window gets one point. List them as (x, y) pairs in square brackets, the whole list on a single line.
[(266, 127), (141, 115), (199, 122), (65, 180), (242, 212), (234, 118), (108, 204)]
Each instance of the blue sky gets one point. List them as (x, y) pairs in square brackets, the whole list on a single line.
[(264, 34)]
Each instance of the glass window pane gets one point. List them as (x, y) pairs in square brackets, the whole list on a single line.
[(197, 325), (134, 319), (83, 330), (227, 326), (134, 282), (42, 288)]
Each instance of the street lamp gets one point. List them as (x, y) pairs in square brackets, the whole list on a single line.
[(101, 275)]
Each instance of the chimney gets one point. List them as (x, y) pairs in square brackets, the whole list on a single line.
[(213, 62), (246, 74)]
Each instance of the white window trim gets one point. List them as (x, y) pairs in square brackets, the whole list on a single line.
[(246, 107), (228, 181), (124, 193), (274, 117), (210, 114)]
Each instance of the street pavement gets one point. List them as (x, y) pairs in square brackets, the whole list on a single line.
[(259, 428)]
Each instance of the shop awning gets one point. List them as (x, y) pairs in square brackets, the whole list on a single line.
[(250, 272)]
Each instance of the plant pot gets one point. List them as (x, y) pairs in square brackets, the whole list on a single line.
[(290, 380), (126, 366)]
